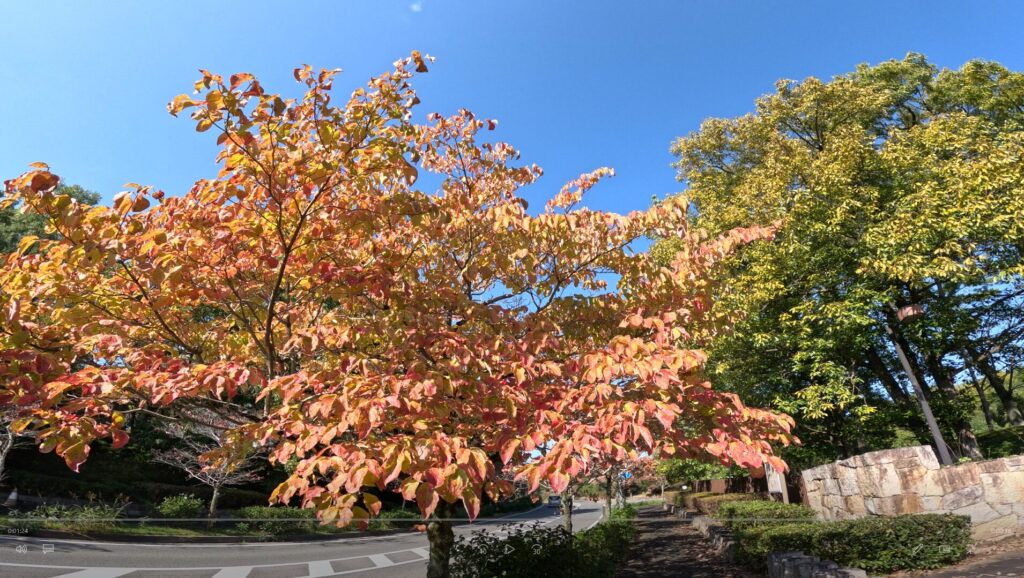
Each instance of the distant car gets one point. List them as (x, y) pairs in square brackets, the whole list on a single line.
[(554, 501)]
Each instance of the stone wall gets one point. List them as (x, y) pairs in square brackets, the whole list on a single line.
[(910, 481), (800, 565)]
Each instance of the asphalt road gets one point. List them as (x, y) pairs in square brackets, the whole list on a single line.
[(393, 556)]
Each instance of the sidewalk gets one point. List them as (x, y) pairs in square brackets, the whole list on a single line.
[(667, 546), (1003, 560)]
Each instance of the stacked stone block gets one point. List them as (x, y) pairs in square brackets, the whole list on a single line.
[(910, 481)]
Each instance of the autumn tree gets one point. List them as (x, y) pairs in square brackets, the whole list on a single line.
[(433, 339), (897, 185), (196, 433), (16, 223)]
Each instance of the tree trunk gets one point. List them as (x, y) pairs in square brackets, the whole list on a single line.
[(608, 495), (6, 443), (213, 502), (986, 409), (910, 367), (621, 488), (1013, 414), (441, 538), (969, 447), (881, 370), (567, 510)]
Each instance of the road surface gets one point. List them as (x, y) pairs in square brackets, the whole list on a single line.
[(393, 556)]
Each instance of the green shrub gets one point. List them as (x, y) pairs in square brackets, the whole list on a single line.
[(708, 504), (876, 544), (1004, 442), (396, 519), (687, 499), (598, 551), (738, 515), (526, 552), (623, 513), (87, 518), (278, 520), (549, 552), (180, 506)]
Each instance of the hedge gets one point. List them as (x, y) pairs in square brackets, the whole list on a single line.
[(686, 499), (739, 515), (278, 520), (708, 504), (545, 551), (876, 544)]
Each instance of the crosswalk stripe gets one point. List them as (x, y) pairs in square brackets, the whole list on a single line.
[(231, 572), (380, 560), (320, 568), (98, 573)]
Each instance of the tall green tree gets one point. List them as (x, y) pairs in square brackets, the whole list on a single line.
[(896, 188)]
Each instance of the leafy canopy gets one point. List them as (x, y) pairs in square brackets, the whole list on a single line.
[(397, 338)]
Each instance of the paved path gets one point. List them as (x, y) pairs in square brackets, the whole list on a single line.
[(1005, 565), (667, 546), (394, 556)]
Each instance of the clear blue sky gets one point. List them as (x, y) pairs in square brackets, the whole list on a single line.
[(575, 85)]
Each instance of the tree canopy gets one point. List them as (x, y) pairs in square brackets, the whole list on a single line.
[(894, 185), (379, 335)]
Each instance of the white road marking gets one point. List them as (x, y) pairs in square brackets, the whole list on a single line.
[(229, 572), (98, 573), (320, 568), (421, 552), (380, 560), (597, 521)]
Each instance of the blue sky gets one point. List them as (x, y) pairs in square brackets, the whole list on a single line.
[(574, 85)]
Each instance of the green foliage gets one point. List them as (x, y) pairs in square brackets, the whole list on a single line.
[(876, 544), (396, 520), (278, 520), (147, 492), (541, 551), (895, 184), (687, 500), (1002, 442), (709, 504), (676, 470), (85, 518), (14, 224), (739, 515), (180, 506), (525, 552)]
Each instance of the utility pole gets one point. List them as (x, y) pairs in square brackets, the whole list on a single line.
[(926, 408)]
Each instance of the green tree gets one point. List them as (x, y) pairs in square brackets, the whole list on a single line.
[(895, 185), (16, 224)]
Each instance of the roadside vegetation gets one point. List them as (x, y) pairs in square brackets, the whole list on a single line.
[(527, 552)]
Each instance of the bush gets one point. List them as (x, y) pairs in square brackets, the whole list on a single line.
[(180, 506), (548, 552), (396, 519), (278, 520), (87, 518), (526, 552), (708, 504), (687, 499), (739, 515), (878, 545)]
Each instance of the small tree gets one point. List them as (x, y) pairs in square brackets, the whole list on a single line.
[(197, 445)]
